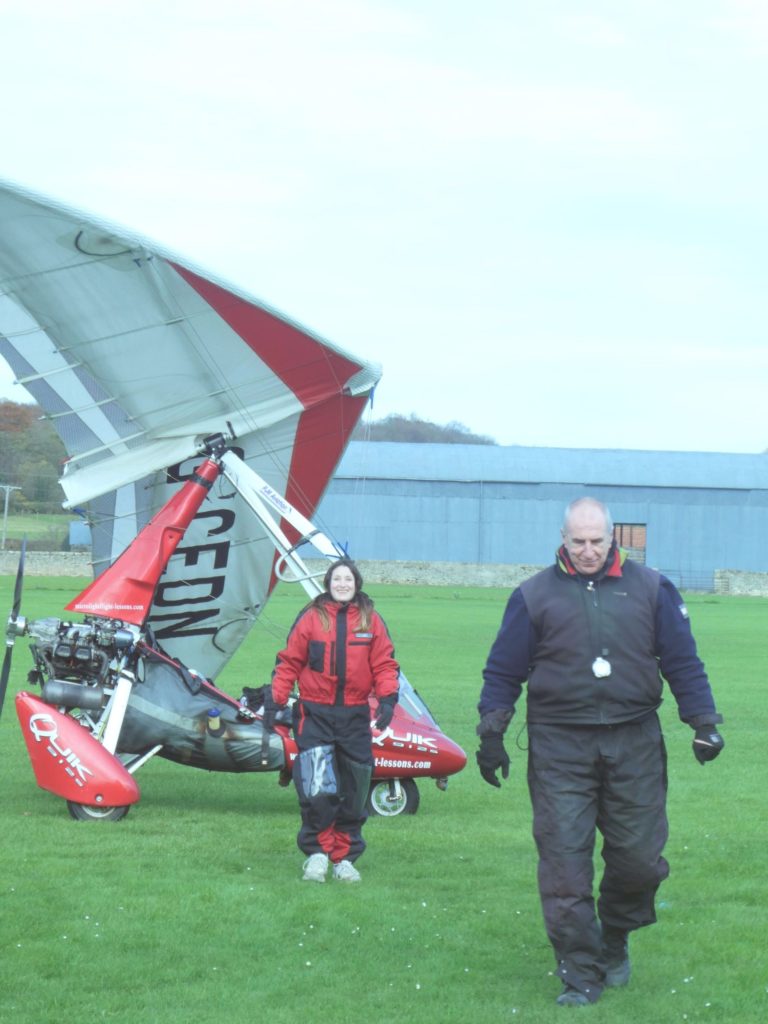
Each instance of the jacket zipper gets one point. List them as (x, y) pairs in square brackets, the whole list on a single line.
[(341, 654), (596, 621)]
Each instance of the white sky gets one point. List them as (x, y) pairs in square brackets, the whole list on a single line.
[(546, 219)]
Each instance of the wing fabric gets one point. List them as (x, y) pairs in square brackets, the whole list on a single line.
[(136, 357)]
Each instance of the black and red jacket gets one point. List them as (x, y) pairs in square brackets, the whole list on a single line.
[(339, 665)]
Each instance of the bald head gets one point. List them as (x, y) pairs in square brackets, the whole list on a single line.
[(587, 534)]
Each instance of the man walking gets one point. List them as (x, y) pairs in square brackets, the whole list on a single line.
[(593, 635)]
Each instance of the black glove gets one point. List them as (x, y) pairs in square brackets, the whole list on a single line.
[(707, 744), (491, 756), (385, 711), (269, 713)]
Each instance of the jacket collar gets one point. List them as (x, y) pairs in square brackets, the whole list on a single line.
[(334, 607), (612, 568)]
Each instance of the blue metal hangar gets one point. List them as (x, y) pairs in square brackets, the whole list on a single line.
[(684, 513)]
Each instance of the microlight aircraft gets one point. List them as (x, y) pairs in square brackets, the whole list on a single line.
[(202, 429)]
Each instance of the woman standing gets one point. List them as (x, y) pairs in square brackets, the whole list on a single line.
[(339, 652)]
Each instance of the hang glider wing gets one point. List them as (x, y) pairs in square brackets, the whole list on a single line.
[(136, 357)]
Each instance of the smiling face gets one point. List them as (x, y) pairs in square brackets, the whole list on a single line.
[(342, 584), (587, 538)]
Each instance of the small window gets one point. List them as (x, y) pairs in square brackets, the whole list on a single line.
[(631, 537)]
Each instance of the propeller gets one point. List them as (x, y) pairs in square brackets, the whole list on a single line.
[(17, 625)]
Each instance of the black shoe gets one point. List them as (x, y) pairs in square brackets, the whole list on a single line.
[(617, 975), (616, 957), (571, 997)]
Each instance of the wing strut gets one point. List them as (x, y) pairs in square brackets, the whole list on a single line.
[(258, 494)]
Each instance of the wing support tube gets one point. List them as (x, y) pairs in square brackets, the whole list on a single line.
[(261, 497)]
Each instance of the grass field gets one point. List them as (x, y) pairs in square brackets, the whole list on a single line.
[(52, 528), (192, 908)]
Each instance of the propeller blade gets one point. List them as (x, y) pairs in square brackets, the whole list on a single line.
[(5, 672), (4, 675), (19, 582)]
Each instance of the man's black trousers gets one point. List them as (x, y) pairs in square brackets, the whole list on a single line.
[(607, 778)]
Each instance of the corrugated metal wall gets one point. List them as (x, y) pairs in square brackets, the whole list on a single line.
[(466, 503)]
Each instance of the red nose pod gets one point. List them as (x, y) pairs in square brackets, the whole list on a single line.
[(68, 761)]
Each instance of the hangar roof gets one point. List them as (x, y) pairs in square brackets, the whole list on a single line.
[(390, 460)]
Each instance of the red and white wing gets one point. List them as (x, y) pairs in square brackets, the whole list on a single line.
[(136, 357)]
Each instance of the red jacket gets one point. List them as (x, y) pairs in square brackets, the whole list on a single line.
[(339, 665)]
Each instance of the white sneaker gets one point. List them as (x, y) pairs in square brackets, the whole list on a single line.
[(344, 871), (315, 868)]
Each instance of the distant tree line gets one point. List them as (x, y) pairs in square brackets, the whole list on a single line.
[(31, 457), (417, 431)]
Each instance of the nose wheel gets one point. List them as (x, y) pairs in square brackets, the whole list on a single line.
[(393, 796), (88, 812)]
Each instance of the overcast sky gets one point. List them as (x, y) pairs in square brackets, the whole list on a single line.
[(545, 219)]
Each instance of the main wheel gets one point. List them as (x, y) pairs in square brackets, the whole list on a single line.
[(87, 812), (393, 796)]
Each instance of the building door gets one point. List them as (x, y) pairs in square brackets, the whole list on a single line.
[(631, 537)]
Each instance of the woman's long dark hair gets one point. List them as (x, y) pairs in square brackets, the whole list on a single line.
[(361, 600)]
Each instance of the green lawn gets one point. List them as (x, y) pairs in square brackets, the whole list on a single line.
[(52, 528), (192, 908)]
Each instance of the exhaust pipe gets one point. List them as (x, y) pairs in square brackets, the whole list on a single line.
[(73, 695)]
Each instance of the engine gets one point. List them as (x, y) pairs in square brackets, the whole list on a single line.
[(74, 660)]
